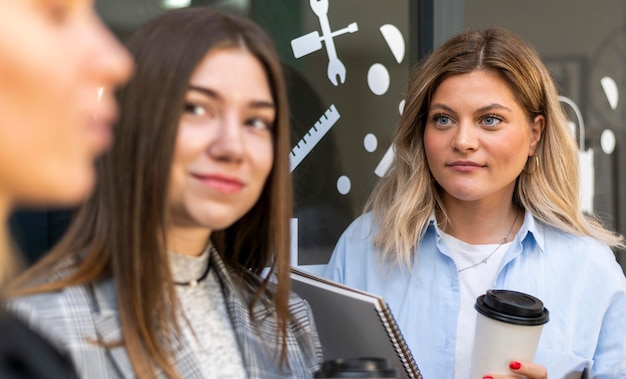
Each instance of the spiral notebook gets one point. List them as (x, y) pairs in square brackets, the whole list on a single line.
[(353, 323)]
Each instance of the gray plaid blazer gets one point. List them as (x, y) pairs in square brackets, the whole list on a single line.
[(74, 316)]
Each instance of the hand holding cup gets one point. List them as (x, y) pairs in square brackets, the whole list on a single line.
[(508, 328)]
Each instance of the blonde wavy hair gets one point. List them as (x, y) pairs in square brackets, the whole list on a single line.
[(404, 199)]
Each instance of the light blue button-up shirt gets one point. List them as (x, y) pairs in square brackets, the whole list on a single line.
[(577, 278)]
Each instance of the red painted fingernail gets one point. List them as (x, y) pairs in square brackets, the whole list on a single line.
[(515, 365), (488, 377)]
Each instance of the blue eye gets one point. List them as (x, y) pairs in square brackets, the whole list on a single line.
[(491, 120), (442, 120)]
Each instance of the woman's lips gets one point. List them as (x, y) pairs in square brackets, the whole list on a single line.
[(100, 123), (465, 166), (220, 183), (101, 133)]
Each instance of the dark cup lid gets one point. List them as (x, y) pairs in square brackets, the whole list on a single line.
[(356, 368), (512, 307)]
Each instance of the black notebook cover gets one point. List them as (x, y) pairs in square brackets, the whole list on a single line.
[(353, 323)]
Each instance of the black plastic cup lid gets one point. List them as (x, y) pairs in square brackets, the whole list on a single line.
[(512, 307), (356, 368)]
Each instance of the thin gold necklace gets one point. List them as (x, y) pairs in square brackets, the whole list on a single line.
[(504, 240)]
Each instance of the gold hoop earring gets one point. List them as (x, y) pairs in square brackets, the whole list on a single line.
[(536, 160)]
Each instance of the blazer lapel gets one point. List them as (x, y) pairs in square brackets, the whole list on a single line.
[(106, 320), (256, 353)]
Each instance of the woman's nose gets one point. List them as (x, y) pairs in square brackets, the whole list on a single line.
[(228, 142), (111, 63), (465, 138)]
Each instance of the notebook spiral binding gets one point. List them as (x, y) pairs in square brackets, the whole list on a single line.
[(402, 349)]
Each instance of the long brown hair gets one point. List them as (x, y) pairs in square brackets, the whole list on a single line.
[(404, 199), (120, 231)]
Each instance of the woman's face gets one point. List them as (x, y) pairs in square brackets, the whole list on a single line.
[(477, 137), (224, 148), (58, 68)]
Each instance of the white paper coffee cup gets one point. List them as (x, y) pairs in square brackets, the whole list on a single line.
[(508, 328)]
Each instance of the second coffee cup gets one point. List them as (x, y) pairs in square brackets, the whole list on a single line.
[(370, 368), (508, 328)]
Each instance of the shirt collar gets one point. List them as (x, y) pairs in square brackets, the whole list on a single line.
[(531, 229), (432, 226)]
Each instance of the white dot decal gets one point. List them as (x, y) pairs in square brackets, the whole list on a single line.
[(378, 79), (343, 185), (611, 91), (370, 142), (607, 141)]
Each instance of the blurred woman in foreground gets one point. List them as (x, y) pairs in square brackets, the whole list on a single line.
[(58, 68)]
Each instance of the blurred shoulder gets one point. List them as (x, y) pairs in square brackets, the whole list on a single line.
[(44, 313), (25, 354), (54, 314)]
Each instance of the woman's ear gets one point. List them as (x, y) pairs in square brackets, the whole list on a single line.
[(536, 131)]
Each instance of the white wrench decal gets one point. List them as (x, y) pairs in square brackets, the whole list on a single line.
[(311, 42)]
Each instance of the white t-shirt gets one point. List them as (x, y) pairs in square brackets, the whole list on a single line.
[(473, 282)]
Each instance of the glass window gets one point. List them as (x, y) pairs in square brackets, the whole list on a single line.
[(346, 64)]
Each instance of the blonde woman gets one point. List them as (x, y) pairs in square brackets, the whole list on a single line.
[(484, 193)]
